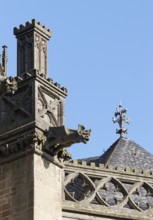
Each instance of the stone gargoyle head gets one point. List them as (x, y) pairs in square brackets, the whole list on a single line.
[(84, 134), (60, 137)]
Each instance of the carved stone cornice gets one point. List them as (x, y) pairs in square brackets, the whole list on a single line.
[(22, 143)]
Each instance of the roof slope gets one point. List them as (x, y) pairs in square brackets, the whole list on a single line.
[(125, 153)]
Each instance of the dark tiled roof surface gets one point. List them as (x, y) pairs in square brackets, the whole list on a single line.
[(125, 153)]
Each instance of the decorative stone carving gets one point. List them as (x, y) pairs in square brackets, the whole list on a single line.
[(109, 192), (59, 138), (24, 142), (63, 155), (11, 85), (17, 108), (50, 108), (79, 187), (142, 196), (37, 41), (8, 85)]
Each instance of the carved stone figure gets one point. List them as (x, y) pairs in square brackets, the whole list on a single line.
[(11, 85), (8, 85), (59, 138), (64, 155)]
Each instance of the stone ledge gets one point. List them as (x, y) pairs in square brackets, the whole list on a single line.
[(27, 76), (32, 150), (92, 165), (110, 212)]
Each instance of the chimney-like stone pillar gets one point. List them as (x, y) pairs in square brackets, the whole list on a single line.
[(32, 48)]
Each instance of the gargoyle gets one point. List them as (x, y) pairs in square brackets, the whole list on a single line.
[(8, 85), (59, 138), (11, 85)]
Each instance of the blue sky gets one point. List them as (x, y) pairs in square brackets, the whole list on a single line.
[(102, 52)]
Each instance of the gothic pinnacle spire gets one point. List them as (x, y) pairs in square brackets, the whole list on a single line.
[(120, 118), (3, 64), (4, 59)]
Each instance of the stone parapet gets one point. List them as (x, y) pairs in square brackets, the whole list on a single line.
[(34, 25), (107, 192), (75, 164)]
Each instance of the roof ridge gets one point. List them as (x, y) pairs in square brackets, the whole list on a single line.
[(116, 145)]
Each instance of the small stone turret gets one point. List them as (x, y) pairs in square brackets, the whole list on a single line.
[(4, 59), (3, 64), (32, 48)]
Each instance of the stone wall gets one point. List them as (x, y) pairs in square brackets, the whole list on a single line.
[(16, 189), (98, 192), (47, 190), (30, 189)]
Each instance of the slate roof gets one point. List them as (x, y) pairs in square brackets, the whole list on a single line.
[(125, 153)]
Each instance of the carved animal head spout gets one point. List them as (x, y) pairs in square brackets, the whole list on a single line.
[(59, 138), (84, 134), (8, 85)]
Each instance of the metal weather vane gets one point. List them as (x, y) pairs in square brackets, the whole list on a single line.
[(120, 118)]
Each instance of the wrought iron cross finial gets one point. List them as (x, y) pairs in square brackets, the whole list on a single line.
[(120, 118)]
